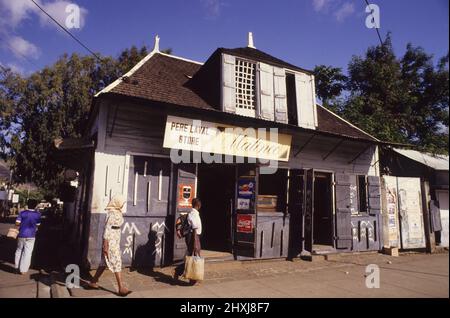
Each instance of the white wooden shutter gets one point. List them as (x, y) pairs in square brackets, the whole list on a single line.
[(306, 101), (266, 89), (279, 81), (228, 83)]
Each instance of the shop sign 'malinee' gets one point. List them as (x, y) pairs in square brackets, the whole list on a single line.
[(209, 137)]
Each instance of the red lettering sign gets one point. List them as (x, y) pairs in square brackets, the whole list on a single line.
[(245, 223)]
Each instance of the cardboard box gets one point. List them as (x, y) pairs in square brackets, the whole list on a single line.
[(392, 251), (267, 203)]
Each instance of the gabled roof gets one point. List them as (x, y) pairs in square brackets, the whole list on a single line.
[(260, 56), (167, 79), (162, 78)]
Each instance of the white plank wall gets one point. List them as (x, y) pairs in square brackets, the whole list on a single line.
[(109, 179)]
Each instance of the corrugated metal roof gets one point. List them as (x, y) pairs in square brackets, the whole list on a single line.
[(437, 162)]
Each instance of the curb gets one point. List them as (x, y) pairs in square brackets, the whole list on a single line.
[(57, 289), (43, 286)]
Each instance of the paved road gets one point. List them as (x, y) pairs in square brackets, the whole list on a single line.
[(410, 275)]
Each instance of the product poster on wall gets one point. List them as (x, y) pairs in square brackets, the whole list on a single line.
[(246, 193), (185, 195), (245, 223)]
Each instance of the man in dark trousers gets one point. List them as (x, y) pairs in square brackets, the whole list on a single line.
[(192, 239), (28, 221)]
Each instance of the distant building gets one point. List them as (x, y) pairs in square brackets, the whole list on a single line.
[(415, 199)]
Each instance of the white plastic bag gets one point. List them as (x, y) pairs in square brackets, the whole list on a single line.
[(12, 233), (194, 268)]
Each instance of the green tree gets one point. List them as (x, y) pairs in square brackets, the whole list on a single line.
[(330, 83), (50, 103), (375, 94), (398, 100)]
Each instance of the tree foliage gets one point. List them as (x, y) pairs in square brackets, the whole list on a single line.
[(50, 103), (403, 100), (330, 83)]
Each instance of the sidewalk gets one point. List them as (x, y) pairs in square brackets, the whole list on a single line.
[(36, 283), (411, 275)]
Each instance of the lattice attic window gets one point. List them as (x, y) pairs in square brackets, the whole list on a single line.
[(245, 87)]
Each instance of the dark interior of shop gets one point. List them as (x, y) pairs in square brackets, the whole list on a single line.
[(216, 186), (274, 186), (323, 222)]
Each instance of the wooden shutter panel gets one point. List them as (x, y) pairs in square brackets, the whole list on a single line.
[(228, 83), (343, 212), (306, 104), (374, 194), (266, 90), (185, 176), (279, 81), (354, 200)]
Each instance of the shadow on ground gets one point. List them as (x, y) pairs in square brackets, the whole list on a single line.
[(46, 248), (160, 277)]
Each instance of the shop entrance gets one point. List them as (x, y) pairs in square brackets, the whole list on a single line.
[(323, 215), (216, 190)]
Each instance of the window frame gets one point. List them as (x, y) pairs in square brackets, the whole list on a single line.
[(358, 188), (241, 109)]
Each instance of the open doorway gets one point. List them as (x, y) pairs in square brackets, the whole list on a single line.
[(216, 189), (323, 213)]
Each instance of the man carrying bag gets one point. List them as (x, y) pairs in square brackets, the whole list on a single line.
[(194, 263)]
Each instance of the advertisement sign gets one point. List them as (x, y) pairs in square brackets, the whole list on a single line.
[(244, 223), (246, 193), (392, 213), (185, 195), (15, 198), (209, 137)]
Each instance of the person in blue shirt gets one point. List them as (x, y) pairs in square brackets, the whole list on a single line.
[(28, 222)]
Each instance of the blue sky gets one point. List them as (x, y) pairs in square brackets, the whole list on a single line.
[(302, 32)]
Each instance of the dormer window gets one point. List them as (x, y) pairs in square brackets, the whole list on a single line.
[(245, 76), (265, 88)]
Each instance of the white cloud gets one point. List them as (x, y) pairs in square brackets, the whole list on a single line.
[(14, 12), (21, 48), (321, 5), (57, 10), (212, 7), (346, 10)]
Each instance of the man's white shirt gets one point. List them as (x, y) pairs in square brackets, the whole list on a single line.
[(194, 221)]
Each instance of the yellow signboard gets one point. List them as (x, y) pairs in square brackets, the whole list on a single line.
[(203, 136)]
